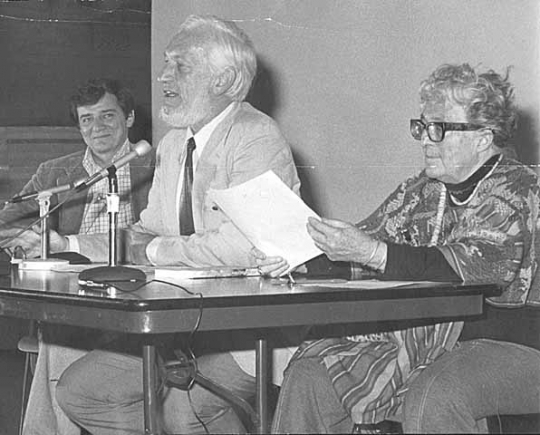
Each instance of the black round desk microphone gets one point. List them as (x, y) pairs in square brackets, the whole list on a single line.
[(120, 277)]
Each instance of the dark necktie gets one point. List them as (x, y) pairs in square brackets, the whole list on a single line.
[(186, 213)]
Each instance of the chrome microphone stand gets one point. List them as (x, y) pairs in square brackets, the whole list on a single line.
[(113, 208), (44, 200), (43, 263)]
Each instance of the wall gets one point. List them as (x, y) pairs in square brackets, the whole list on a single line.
[(341, 78), (50, 47)]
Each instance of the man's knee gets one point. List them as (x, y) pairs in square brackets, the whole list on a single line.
[(440, 393), (68, 392)]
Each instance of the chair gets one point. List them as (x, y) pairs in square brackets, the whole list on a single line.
[(29, 345)]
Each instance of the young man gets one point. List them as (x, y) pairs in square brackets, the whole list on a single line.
[(104, 112)]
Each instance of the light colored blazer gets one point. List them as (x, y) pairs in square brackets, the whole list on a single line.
[(244, 145)]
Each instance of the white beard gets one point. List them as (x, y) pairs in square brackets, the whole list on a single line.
[(173, 118), (183, 117)]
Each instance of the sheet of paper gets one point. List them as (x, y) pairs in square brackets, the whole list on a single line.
[(271, 216), (205, 272), (367, 284)]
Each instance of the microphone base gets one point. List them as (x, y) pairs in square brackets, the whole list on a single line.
[(41, 263), (120, 277)]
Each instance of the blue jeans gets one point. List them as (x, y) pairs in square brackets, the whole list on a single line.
[(103, 393), (478, 379), (308, 402)]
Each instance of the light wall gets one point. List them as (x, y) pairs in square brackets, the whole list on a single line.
[(341, 79)]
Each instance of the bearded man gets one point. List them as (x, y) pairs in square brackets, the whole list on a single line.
[(217, 141)]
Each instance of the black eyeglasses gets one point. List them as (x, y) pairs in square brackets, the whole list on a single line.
[(436, 130)]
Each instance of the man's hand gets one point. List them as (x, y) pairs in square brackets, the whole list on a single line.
[(270, 266), (341, 241), (57, 242), (30, 241), (135, 244), (6, 234)]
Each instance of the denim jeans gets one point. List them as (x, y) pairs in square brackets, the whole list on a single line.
[(478, 379), (308, 402), (103, 393)]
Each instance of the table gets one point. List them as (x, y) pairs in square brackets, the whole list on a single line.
[(228, 304)]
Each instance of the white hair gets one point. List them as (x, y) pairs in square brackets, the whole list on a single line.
[(227, 47)]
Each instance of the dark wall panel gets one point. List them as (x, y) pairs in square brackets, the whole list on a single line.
[(49, 47)]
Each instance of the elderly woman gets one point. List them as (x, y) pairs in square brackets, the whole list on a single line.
[(469, 216)]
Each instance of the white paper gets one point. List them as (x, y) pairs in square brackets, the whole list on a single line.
[(205, 272), (366, 284), (271, 216)]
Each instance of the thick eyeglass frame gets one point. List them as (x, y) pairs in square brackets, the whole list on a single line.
[(436, 130)]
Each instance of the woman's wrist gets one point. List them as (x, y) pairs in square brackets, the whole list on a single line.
[(377, 259)]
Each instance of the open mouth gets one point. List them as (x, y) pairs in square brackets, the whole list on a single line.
[(170, 94)]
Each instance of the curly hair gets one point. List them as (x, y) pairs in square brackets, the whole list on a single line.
[(488, 98), (94, 89)]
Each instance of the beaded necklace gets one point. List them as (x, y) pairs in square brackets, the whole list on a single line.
[(439, 218), (461, 194)]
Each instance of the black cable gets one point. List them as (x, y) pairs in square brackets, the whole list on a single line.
[(192, 359), (195, 413)]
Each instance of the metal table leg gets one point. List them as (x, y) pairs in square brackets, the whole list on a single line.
[(150, 388), (261, 351)]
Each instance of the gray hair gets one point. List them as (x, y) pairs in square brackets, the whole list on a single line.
[(487, 98), (227, 46)]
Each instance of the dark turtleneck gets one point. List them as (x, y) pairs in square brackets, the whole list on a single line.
[(463, 191)]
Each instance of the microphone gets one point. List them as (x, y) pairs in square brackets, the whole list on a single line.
[(52, 190), (140, 149)]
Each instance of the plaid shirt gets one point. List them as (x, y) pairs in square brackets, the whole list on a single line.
[(96, 218)]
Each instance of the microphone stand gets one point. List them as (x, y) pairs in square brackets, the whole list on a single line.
[(113, 208), (112, 276), (43, 263)]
